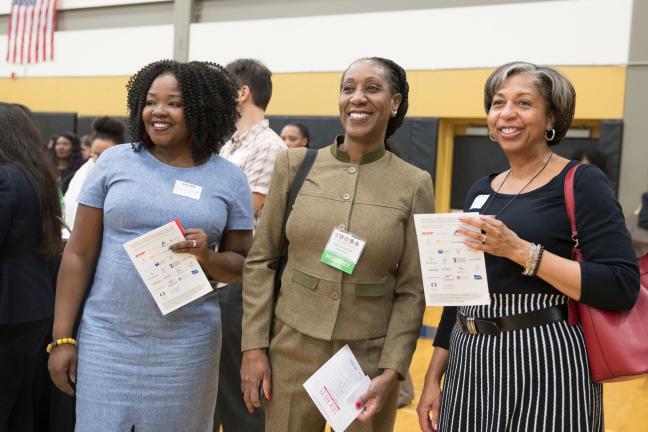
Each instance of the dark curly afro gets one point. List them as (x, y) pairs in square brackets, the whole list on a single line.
[(209, 103)]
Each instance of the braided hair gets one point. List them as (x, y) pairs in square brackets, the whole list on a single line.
[(209, 104)]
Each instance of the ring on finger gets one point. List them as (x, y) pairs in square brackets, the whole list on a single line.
[(194, 243), (483, 240)]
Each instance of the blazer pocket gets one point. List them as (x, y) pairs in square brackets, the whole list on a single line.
[(304, 279), (370, 289)]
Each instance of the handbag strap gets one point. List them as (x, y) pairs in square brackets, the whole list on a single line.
[(295, 187), (570, 203)]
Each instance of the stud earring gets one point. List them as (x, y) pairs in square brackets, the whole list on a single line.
[(550, 138)]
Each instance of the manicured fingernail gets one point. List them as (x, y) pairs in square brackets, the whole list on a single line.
[(269, 396), (435, 426), (358, 405)]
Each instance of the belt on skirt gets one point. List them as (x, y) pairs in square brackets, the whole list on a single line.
[(495, 326)]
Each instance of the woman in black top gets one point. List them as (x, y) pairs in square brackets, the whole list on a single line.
[(29, 233), (67, 157), (533, 375)]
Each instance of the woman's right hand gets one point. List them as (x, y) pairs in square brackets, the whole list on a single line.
[(430, 402), (62, 365), (428, 406), (255, 371)]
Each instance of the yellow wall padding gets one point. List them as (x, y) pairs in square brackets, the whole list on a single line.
[(443, 93)]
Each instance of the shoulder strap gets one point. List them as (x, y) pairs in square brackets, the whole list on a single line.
[(570, 202), (298, 181)]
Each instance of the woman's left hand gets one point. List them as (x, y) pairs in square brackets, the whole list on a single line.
[(374, 399), (493, 237), (196, 244)]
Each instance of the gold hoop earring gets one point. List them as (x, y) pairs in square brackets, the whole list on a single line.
[(490, 136), (550, 138)]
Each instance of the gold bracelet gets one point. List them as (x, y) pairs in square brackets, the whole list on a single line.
[(59, 342)]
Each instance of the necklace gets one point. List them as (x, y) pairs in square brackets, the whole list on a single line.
[(517, 194)]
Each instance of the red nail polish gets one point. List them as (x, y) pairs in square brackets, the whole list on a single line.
[(358, 405)]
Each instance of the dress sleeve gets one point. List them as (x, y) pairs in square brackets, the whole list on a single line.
[(409, 304), (94, 189), (609, 272), (258, 277), (8, 202), (448, 319), (240, 215)]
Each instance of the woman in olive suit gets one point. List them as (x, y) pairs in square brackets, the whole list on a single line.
[(356, 187)]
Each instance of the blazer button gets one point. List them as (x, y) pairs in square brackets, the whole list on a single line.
[(352, 170), (335, 295), (346, 196)]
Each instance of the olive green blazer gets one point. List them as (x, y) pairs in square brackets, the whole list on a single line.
[(383, 298)]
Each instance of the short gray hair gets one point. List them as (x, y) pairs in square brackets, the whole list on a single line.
[(556, 90)]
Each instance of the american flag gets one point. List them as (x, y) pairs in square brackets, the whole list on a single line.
[(31, 31)]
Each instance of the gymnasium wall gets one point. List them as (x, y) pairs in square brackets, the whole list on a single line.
[(448, 52)]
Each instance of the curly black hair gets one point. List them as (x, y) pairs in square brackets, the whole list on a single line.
[(209, 104), (397, 84)]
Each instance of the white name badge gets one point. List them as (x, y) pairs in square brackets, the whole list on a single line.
[(343, 250), (187, 190), (479, 201)]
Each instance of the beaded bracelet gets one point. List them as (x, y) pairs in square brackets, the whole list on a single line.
[(59, 342), (531, 261)]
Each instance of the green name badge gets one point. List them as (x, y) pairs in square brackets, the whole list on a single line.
[(343, 250)]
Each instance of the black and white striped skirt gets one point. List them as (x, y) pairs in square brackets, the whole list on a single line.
[(535, 379)]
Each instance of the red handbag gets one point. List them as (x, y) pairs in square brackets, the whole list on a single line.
[(616, 341)]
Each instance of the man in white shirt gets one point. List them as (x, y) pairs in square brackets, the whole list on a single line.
[(253, 147)]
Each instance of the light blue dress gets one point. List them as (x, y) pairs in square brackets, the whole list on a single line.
[(136, 366)]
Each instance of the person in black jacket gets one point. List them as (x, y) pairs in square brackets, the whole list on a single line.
[(30, 233)]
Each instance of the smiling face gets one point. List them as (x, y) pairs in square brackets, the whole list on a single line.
[(518, 116), (163, 113), (63, 148), (366, 102), (293, 137)]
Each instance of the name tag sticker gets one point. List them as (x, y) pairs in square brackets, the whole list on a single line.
[(343, 250), (187, 190), (479, 201)]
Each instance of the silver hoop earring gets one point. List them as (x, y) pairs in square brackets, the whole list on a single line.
[(550, 138), (490, 136)]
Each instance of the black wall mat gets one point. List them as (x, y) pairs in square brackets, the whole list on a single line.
[(55, 123), (415, 141), (477, 156)]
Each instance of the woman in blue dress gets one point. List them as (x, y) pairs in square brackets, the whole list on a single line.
[(136, 368)]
